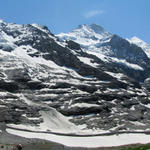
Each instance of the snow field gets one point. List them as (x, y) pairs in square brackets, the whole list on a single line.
[(95, 141)]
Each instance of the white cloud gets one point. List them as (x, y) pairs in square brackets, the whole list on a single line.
[(93, 13)]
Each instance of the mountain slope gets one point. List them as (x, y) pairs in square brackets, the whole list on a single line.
[(140, 43), (111, 49), (53, 85)]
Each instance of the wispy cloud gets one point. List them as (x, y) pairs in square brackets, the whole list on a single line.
[(93, 13)]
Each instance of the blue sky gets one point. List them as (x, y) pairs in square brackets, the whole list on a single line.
[(126, 18)]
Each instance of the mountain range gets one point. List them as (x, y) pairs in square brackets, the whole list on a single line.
[(84, 82)]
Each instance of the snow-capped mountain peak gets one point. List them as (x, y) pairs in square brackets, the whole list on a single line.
[(136, 40), (140, 43), (92, 28), (88, 36)]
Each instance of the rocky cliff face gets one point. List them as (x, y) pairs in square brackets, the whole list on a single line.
[(67, 84)]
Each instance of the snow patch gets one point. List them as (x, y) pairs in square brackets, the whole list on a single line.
[(83, 105), (148, 106), (138, 123), (88, 61), (52, 121), (56, 122), (95, 141), (129, 65), (1, 106), (99, 55)]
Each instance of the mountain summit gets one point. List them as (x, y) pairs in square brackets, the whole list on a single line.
[(93, 27), (86, 35)]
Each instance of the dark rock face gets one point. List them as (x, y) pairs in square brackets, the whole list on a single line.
[(122, 49), (35, 85), (49, 73), (9, 86), (73, 45)]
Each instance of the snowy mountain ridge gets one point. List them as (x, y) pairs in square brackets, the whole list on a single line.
[(95, 40), (141, 43)]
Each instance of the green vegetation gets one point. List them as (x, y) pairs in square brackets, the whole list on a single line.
[(39, 146), (139, 147)]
